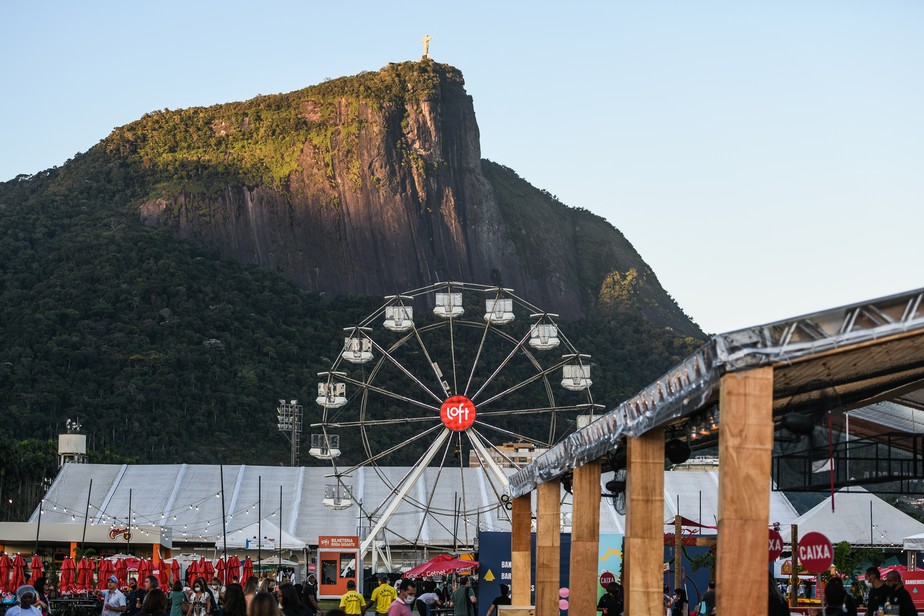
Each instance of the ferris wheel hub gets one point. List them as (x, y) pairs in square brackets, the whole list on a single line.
[(458, 413)]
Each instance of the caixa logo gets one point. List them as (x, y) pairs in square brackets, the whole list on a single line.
[(458, 413)]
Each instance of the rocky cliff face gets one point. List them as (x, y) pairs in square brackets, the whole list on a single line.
[(375, 185)]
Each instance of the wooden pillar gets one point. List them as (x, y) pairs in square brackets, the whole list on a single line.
[(794, 561), (548, 548), (585, 539), (643, 570), (745, 448), (155, 554), (520, 539)]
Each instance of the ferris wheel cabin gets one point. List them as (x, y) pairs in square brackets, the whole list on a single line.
[(448, 305), (498, 310), (576, 375), (336, 497), (331, 394), (357, 348), (325, 446)]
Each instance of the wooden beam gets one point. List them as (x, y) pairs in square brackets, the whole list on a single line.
[(643, 561), (745, 448), (520, 540), (585, 538), (548, 548)]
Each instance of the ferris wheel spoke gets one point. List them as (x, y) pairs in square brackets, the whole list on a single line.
[(390, 394), (406, 372), (452, 353), (392, 449), (486, 459), (433, 366), (464, 507), (471, 375), (476, 436), (378, 422), (502, 365), (538, 410), (539, 375), (427, 509), (522, 438)]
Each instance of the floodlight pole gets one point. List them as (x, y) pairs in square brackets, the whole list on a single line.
[(289, 422)]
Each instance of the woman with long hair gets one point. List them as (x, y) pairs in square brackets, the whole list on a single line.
[(250, 589), (155, 603), (235, 604), (679, 604), (263, 604), (199, 602), (291, 603)]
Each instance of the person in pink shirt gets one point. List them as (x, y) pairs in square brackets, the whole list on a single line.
[(407, 593)]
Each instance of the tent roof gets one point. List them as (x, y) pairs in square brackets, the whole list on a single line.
[(247, 536), (851, 520), (187, 493)]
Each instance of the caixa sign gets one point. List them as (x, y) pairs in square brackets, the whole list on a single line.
[(458, 413)]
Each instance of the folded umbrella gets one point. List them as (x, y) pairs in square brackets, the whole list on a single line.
[(35, 568), (121, 571), (248, 570), (220, 570), (19, 572), (5, 566), (175, 570), (67, 574)]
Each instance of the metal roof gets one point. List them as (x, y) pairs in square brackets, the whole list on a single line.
[(837, 359)]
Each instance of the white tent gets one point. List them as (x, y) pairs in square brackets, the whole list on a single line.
[(914, 543), (859, 518), (246, 538)]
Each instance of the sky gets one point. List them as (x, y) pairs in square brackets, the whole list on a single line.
[(766, 159)]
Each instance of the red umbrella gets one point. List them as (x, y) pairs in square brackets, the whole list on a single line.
[(19, 572), (234, 569), (192, 571), (220, 570), (144, 569), (36, 568), (175, 570), (248, 569), (5, 566), (441, 565), (104, 571), (81, 580), (162, 576), (206, 569), (67, 573), (121, 571)]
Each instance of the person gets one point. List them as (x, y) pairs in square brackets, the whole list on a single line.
[(401, 606), (463, 598), (878, 591), (776, 603), (263, 604), (218, 592), (610, 604), (310, 593), (198, 599), (290, 602), (503, 599), (667, 600), (429, 599), (709, 599), (155, 603), (898, 594), (112, 598), (383, 595), (352, 602), (250, 589), (176, 599), (837, 599), (679, 604), (234, 604), (134, 599), (25, 602), (41, 601)]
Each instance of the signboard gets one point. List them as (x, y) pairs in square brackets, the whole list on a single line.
[(458, 413), (776, 545), (338, 543), (606, 578), (312, 567), (815, 553)]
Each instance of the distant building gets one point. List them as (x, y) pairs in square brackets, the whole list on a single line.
[(509, 455), (698, 463)]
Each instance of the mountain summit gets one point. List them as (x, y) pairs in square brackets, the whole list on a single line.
[(374, 184)]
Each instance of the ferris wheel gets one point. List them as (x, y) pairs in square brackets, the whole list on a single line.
[(452, 376)]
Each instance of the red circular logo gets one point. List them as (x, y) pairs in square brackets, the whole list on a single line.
[(458, 413), (776, 545), (815, 553), (607, 578)]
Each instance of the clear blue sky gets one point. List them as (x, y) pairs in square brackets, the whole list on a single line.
[(765, 158)]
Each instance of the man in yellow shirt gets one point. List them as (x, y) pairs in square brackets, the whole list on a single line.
[(352, 602), (383, 595)]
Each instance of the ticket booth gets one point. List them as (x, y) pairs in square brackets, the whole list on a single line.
[(338, 562)]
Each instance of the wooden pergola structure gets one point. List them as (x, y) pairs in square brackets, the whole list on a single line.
[(828, 362)]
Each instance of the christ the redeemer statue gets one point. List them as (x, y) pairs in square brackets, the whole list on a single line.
[(426, 41)]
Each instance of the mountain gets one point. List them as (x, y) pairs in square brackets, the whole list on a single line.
[(171, 283), (374, 184)]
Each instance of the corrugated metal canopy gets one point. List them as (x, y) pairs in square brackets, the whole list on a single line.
[(838, 359)]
